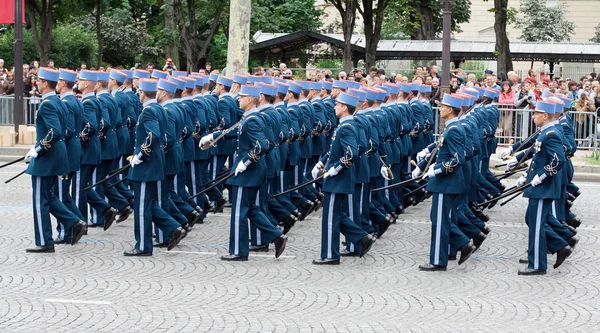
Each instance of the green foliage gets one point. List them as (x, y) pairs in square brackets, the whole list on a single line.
[(284, 16), (218, 52), (6, 47), (544, 24), (125, 41), (403, 18), (72, 45), (596, 38)]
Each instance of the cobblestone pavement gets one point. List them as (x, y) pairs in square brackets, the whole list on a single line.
[(92, 287)]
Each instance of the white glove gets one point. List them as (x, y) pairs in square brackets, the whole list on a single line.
[(135, 160), (522, 180), (205, 139), (384, 172), (430, 172), (536, 181), (511, 163), (316, 169), (331, 172), (31, 154), (422, 155), (505, 154), (416, 172), (241, 167)]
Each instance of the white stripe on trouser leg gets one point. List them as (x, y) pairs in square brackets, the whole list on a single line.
[(159, 190), (120, 166), (236, 225), (193, 170), (77, 182), (554, 208), (257, 203), (142, 214), (438, 230), (305, 166), (351, 213), (295, 175), (538, 227), (330, 226), (281, 181), (61, 233), (38, 210), (60, 188), (175, 185), (94, 212), (214, 167), (387, 192)]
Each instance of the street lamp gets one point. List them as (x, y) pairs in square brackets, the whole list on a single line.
[(447, 26)]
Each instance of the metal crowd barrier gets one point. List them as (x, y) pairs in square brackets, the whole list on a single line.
[(517, 124), (7, 111)]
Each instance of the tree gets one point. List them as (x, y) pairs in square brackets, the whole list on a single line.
[(596, 38), (284, 16), (41, 11), (347, 9), (544, 24), (502, 16), (422, 19), (190, 30), (373, 21)]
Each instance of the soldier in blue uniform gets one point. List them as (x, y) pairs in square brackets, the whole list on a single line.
[(250, 173), (90, 142), (338, 165), (48, 158), (125, 117), (74, 126), (171, 116), (547, 161), (147, 170), (446, 182), (109, 143), (228, 115)]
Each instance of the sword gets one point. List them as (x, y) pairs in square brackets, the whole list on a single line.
[(504, 195), (15, 177), (12, 162), (118, 171), (299, 186), (215, 183)]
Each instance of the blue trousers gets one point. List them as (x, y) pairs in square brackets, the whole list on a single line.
[(147, 209), (87, 175), (335, 220), (244, 207), (122, 187), (359, 202), (64, 195), (445, 235), (45, 202), (115, 199)]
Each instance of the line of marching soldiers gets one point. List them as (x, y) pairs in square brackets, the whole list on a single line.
[(282, 149)]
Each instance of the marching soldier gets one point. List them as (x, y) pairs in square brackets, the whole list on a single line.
[(446, 182), (48, 164), (250, 174), (147, 170), (90, 141), (339, 169), (109, 143), (544, 188), (74, 126)]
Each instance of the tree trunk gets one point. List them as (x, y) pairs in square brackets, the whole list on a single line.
[(187, 34), (211, 33), (426, 30), (171, 48), (42, 39), (99, 31), (348, 14), (373, 23), (239, 35), (502, 43)]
